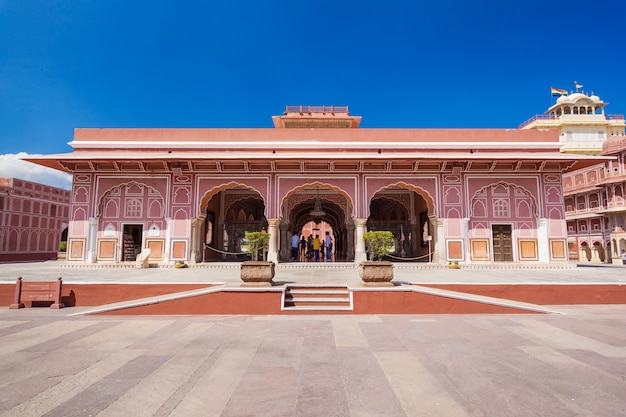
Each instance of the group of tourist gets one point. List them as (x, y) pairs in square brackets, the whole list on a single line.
[(311, 249)]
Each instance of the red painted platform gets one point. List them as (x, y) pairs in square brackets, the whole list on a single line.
[(164, 299)]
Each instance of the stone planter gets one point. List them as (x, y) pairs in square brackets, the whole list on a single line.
[(257, 273), (376, 273)]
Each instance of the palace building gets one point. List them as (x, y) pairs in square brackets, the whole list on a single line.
[(594, 196), (33, 220), (467, 195)]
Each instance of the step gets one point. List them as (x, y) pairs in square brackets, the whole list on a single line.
[(316, 291), (317, 308), (317, 298)]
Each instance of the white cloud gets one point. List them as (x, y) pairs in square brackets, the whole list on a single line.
[(11, 166)]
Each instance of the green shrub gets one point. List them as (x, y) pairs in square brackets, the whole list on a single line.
[(257, 242), (379, 243)]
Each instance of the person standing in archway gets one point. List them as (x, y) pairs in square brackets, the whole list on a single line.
[(303, 246), (295, 244), (316, 248), (329, 247)]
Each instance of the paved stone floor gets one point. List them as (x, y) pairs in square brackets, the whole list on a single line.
[(570, 364), (296, 272)]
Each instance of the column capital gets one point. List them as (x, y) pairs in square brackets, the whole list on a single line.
[(273, 222), (360, 222)]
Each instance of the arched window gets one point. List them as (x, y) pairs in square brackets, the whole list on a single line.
[(501, 207), (133, 207)]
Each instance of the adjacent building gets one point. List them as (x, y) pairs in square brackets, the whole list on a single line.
[(33, 220), (467, 195), (594, 196)]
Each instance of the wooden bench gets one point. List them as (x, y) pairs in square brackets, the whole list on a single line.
[(37, 291)]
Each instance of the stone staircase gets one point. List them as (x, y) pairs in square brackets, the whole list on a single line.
[(302, 297)]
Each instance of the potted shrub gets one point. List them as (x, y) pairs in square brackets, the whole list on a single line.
[(257, 272), (376, 271)]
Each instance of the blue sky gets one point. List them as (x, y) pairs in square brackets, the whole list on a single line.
[(235, 63)]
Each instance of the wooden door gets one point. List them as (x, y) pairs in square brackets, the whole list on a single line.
[(502, 242)]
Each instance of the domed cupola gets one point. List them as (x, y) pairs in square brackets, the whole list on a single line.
[(583, 125)]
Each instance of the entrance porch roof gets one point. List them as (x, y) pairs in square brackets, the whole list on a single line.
[(319, 161), (316, 150)]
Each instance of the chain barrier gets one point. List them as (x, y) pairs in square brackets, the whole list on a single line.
[(224, 252), (429, 254), (389, 256)]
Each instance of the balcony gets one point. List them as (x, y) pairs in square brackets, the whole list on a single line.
[(548, 120)]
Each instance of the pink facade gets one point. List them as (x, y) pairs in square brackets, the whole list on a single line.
[(470, 195), (595, 204), (32, 219)]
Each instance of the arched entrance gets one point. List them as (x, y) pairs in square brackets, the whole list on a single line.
[(405, 213), (228, 214), (298, 210)]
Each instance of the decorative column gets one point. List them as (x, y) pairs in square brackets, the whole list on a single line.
[(595, 254), (349, 243), (272, 226), (168, 232), (284, 252), (359, 253), (196, 242), (92, 240), (219, 242), (466, 239), (439, 254), (542, 241), (582, 254), (414, 236)]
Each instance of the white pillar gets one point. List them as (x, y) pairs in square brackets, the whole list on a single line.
[(440, 242), (168, 232), (542, 241), (196, 245), (92, 240), (468, 257), (272, 252), (582, 254), (359, 252), (595, 255)]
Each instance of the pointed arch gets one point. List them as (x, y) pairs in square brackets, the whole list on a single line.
[(518, 190), (430, 201), (116, 190), (206, 197), (317, 185)]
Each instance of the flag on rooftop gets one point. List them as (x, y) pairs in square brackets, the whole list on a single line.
[(558, 92)]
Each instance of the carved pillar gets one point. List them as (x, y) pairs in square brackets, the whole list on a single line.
[(359, 253), (582, 254), (285, 242), (415, 236), (348, 248), (168, 237), (92, 240), (595, 254), (272, 252), (542, 241), (468, 257), (219, 241), (439, 248), (196, 239)]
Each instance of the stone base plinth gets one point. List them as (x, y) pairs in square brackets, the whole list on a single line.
[(376, 273), (257, 273)]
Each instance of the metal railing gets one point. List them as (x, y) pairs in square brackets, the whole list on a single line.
[(317, 109), (551, 117)]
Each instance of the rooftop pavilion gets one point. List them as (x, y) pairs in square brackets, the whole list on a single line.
[(317, 117)]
